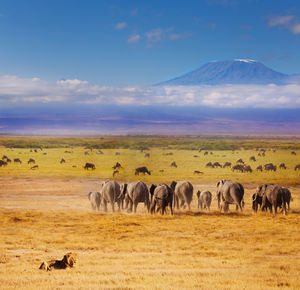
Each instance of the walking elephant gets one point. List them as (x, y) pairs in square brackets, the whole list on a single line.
[(184, 194), (204, 199), (95, 199), (163, 196), (135, 192), (229, 192), (110, 193)]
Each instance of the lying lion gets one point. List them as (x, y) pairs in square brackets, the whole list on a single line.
[(69, 261)]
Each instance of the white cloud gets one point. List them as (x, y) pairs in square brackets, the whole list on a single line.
[(20, 90), (155, 35), (120, 25), (289, 22), (133, 38), (296, 28)]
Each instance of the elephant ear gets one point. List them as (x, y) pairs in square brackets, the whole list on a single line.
[(89, 195)]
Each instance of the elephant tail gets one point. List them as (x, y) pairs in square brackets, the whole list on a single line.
[(152, 207)]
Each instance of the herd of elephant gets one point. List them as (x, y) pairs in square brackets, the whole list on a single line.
[(177, 195)]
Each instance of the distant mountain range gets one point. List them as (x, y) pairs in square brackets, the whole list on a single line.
[(237, 71)]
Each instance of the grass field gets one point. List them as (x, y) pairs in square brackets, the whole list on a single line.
[(45, 213)]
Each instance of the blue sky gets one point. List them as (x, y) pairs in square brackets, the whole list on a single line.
[(119, 43)]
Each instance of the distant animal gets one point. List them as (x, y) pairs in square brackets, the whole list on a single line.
[(74, 166), (173, 164), (204, 199), (293, 153), (35, 150), (229, 192), (110, 193), (247, 168), (270, 167), (195, 156), (8, 160), (161, 170), (297, 167), (34, 167), (162, 197), (227, 164), (217, 164), (62, 161), (115, 173), (117, 153), (168, 153), (86, 153), (205, 153), (3, 163), (183, 193), (31, 161), (44, 153), (67, 151), (4, 157), (209, 164), (137, 192), (198, 172), (95, 199), (252, 158), (238, 167), (89, 166), (17, 160), (147, 155), (117, 165), (240, 160), (99, 152), (282, 166), (68, 261), (259, 168), (143, 170)]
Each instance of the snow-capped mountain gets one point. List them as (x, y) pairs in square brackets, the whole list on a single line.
[(237, 71)]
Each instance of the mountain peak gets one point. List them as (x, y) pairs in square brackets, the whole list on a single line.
[(236, 71)]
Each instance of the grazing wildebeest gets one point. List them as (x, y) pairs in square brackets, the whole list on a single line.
[(17, 160), (162, 197), (117, 153), (293, 153), (259, 168), (66, 151), (62, 161), (247, 168), (86, 153), (205, 153), (209, 164), (115, 173), (3, 163), (229, 192), (4, 157), (95, 199), (217, 164), (183, 193), (238, 167), (297, 167), (147, 155), (8, 160), (240, 160), (117, 165), (31, 161), (282, 166), (173, 164), (195, 156), (270, 167), (34, 167), (227, 164), (142, 169), (35, 150), (89, 165), (44, 153), (198, 172), (252, 158), (204, 199)]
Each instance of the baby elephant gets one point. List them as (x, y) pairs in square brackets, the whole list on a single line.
[(95, 199), (204, 198)]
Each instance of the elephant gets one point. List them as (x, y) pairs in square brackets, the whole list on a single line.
[(257, 200), (95, 199), (204, 199), (110, 193), (229, 192), (273, 194), (163, 196), (184, 194), (287, 196), (134, 193), (151, 191)]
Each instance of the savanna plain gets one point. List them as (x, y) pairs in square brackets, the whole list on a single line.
[(45, 213)]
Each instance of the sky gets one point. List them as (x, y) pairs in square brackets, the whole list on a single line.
[(60, 60), (120, 43)]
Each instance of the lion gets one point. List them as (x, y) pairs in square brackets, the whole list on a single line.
[(69, 261)]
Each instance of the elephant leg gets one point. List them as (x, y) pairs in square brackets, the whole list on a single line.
[(189, 205), (239, 206), (182, 203), (177, 202), (135, 206), (105, 205), (112, 206)]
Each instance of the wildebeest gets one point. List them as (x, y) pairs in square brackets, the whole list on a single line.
[(168, 153), (115, 173), (4, 157), (117, 165), (17, 160), (247, 168), (173, 164), (252, 158), (217, 164), (227, 164), (297, 167), (89, 165), (195, 156), (31, 160), (3, 163), (209, 164), (204, 199), (162, 197), (205, 153), (67, 151), (62, 161), (95, 199), (143, 170), (240, 160), (270, 167), (117, 153), (259, 168), (99, 152), (86, 153), (198, 172), (8, 160), (282, 166), (147, 155), (34, 167), (237, 167), (293, 153)]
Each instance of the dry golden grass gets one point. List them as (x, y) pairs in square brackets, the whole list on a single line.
[(44, 218)]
